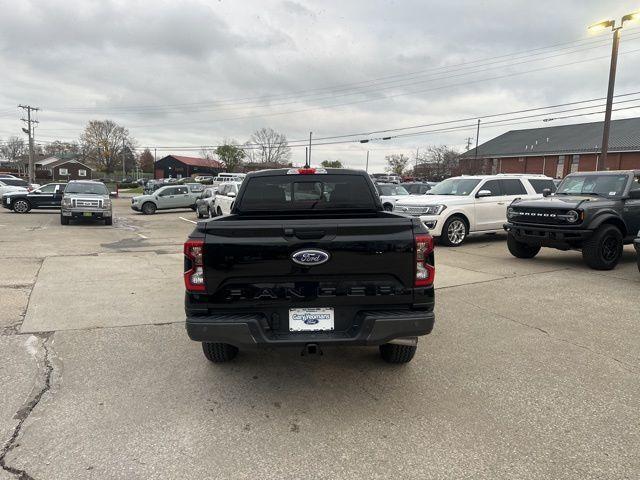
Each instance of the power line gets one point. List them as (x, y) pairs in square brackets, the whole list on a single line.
[(402, 76)]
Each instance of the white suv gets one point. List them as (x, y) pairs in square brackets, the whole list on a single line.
[(460, 206)]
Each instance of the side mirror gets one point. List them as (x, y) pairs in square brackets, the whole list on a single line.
[(484, 193), (231, 194), (635, 194), (546, 192)]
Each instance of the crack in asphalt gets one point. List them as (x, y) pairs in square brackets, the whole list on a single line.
[(14, 329), (624, 366), (24, 412)]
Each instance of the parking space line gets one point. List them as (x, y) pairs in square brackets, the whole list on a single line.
[(186, 220), (142, 236)]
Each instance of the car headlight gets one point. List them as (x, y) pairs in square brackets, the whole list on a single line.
[(66, 202), (106, 203), (511, 212), (572, 216), (433, 209)]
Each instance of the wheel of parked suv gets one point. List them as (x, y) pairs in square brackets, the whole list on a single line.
[(64, 220), (602, 251), (108, 220), (392, 353), (21, 206), (521, 249), (454, 231), (218, 211), (388, 207), (149, 208), (219, 352)]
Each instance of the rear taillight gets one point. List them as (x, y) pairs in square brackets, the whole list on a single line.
[(194, 265), (425, 271)]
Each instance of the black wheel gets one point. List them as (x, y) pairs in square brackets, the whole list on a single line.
[(392, 353), (200, 215), (108, 220), (194, 207), (218, 211), (219, 352), (21, 206), (454, 231), (520, 249), (210, 213), (64, 220), (149, 208), (388, 207), (602, 251)]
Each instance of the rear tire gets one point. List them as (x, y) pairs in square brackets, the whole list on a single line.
[(219, 352), (521, 249), (21, 206), (602, 251), (392, 353), (64, 220), (149, 208)]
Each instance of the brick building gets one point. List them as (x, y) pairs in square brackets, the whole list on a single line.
[(556, 151)]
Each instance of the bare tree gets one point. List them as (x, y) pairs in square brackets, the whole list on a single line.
[(273, 147), (437, 162), (15, 149), (208, 153), (396, 163), (57, 147), (103, 142)]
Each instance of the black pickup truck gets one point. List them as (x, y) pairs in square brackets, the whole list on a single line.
[(47, 196), (596, 212), (309, 258)]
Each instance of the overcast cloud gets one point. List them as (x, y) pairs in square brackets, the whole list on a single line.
[(188, 73)]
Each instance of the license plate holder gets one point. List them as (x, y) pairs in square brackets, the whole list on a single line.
[(87, 214), (311, 319)]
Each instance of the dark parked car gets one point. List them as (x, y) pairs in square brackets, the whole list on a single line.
[(416, 188), (596, 212), (47, 196), (307, 258)]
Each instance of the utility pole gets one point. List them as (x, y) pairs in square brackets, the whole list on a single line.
[(469, 143), (366, 168), (306, 157), (634, 16), (124, 173), (309, 157), (29, 131), (415, 170), (475, 155)]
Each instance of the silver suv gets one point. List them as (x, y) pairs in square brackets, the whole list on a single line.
[(86, 199)]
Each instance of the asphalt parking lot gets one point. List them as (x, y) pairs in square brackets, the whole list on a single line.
[(532, 371)]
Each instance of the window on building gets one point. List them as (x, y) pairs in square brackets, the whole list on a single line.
[(575, 163), (63, 171), (82, 173)]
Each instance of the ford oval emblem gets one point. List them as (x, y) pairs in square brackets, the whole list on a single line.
[(310, 257)]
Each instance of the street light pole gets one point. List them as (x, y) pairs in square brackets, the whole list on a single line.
[(601, 163)]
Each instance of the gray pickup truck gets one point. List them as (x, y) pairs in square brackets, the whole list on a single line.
[(166, 198), (86, 199)]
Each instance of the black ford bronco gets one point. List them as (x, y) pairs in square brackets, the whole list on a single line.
[(308, 258), (596, 212)]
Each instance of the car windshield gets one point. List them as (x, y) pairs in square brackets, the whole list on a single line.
[(87, 188), (601, 185), (392, 190), (454, 186)]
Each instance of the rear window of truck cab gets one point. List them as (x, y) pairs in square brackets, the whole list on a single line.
[(307, 192)]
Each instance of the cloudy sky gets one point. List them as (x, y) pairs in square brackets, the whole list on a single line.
[(190, 73)]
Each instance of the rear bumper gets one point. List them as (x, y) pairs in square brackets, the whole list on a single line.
[(548, 235), (251, 330)]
